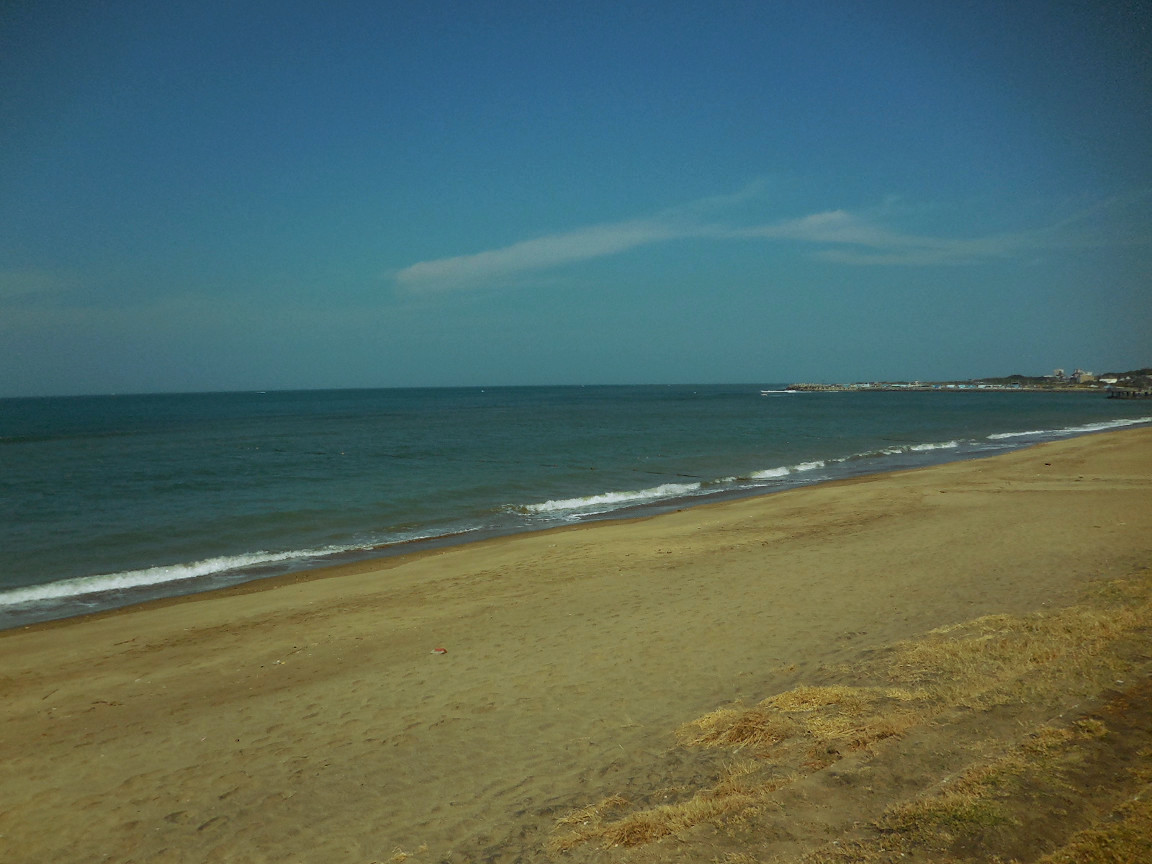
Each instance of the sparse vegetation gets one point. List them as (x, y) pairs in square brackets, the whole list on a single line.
[(1023, 771)]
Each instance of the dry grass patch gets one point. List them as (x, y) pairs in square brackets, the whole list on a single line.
[(968, 804), (646, 826), (1125, 837), (1004, 658), (399, 855), (813, 721), (583, 825), (987, 796), (737, 788), (759, 728), (856, 716), (996, 660)]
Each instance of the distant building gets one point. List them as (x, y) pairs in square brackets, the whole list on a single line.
[(1058, 374), (1082, 377)]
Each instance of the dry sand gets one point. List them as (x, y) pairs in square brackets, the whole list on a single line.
[(312, 722)]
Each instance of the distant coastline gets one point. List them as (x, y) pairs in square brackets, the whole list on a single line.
[(926, 386), (1136, 383)]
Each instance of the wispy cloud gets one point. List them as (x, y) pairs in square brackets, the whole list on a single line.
[(551, 251), (858, 239), (840, 236)]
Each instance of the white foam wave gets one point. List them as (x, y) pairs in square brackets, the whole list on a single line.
[(926, 447), (785, 470), (81, 586), (942, 445), (612, 499), (808, 466), (769, 473), (1000, 436), (1099, 426)]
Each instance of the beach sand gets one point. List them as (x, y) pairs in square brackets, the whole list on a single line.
[(311, 720)]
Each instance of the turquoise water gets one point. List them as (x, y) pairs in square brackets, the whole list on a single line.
[(111, 500)]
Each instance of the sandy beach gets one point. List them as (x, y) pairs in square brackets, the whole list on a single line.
[(316, 720)]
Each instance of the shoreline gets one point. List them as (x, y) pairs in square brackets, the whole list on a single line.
[(391, 556), (841, 469), (309, 719)]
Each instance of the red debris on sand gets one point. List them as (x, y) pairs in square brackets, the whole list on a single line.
[(439, 650)]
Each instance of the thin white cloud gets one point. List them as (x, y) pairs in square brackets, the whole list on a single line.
[(833, 235), (851, 239), (550, 251)]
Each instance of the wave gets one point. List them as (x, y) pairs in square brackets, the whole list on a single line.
[(924, 448), (606, 501), (129, 579), (1000, 436), (149, 577), (1100, 426), (904, 449), (769, 473), (785, 470), (611, 499)]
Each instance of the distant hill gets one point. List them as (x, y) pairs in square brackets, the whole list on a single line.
[(1139, 378)]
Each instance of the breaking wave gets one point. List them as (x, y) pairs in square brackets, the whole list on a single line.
[(611, 500), (785, 470), (150, 576), (1101, 426)]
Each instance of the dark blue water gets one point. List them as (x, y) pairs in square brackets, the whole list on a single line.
[(111, 500)]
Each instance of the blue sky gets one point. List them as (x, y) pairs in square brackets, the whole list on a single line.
[(257, 195)]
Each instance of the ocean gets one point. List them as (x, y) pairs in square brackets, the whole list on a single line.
[(112, 500)]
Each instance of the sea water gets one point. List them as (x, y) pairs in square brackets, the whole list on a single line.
[(107, 501)]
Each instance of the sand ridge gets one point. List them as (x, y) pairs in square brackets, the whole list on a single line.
[(313, 722)]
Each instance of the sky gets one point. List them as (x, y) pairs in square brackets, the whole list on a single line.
[(250, 195)]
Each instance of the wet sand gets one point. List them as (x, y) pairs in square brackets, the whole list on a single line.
[(314, 722)]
